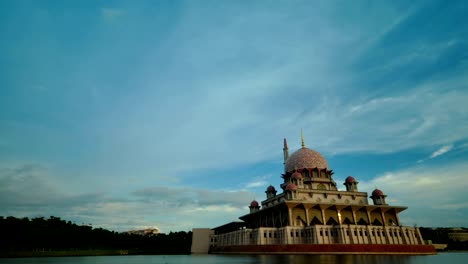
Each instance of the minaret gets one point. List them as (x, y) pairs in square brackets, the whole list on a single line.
[(378, 197), (285, 151), (302, 139)]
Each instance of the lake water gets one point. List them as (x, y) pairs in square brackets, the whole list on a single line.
[(448, 258)]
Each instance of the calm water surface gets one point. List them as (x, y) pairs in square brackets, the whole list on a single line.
[(446, 258)]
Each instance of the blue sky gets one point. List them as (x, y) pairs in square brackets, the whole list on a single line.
[(127, 114)]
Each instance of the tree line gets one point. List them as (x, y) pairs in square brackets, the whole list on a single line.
[(54, 234)]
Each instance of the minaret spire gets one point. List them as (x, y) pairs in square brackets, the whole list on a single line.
[(302, 139), (285, 151)]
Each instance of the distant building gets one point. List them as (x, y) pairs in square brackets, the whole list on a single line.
[(310, 210), (444, 235), (144, 232)]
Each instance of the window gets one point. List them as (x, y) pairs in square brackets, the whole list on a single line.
[(360, 233), (302, 234), (297, 234), (365, 233), (292, 234), (326, 233), (264, 234), (269, 234), (321, 233), (347, 232), (355, 233)]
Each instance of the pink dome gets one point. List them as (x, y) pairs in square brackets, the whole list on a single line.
[(305, 158), (271, 189), (291, 187), (377, 192), (297, 176), (350, 179), (254, 203)]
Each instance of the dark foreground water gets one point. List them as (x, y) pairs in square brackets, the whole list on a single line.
[(445, 258)]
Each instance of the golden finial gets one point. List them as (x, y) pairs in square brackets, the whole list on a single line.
[(302, 138)]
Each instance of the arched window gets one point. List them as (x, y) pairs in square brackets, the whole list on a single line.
[(323, 174), (321, 187)]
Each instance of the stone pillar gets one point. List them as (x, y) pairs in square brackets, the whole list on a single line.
[(307, 215), (354, 216), (369, 217), (323, 216), (397, 219), (383, 217)]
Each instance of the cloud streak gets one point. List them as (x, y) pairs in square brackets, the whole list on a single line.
[(430, 193), (26, 191), (441, 151)]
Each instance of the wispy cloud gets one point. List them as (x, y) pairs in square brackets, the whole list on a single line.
[(26, 191), (257, 182), (111, 13), (441, 151), (430, 193)]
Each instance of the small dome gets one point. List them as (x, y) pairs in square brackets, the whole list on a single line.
[(377, 192), (291, 187), (271, 189), (305, 158), (350, 179), (254, 203), (297, 176)]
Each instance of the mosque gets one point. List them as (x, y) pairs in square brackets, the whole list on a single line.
[(308, 214)]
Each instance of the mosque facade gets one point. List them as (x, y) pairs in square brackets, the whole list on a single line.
[(308, 213)]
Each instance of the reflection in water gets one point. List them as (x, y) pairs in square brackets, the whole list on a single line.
[(335, 259), (452, 258)]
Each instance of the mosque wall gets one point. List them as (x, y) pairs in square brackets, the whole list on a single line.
[(321, 234)]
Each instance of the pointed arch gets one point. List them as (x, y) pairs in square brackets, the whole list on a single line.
[(377, 222), (362, 222), (316, 221), (300, 221), (332, 221)]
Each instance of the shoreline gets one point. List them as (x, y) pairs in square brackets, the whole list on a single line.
[(82, 253)]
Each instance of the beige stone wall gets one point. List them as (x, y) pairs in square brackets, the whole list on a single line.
[(201, 240)]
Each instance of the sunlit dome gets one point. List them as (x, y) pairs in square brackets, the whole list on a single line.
[(305, 158)]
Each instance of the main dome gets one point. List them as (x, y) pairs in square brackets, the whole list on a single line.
[(305, 158)]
